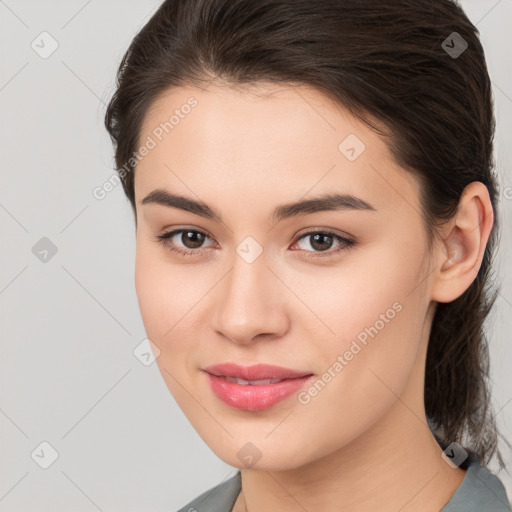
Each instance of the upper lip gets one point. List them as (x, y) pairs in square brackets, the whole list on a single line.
[(254, 372)]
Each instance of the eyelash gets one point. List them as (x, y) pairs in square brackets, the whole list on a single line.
[(346, 243)]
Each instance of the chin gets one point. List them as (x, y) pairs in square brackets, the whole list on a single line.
[(261, 455)]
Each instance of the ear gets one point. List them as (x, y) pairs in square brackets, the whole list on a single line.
[(461, 242)]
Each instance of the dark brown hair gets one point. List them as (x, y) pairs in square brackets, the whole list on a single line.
[(389, 63)]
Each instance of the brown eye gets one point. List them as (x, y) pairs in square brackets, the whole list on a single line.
[(191, 239), (189, 242), (194, 238), (322, 241)]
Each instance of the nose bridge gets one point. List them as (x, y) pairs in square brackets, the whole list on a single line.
[(247, 305)]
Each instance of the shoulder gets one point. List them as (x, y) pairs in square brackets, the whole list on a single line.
[(220, 498), (479, 491)]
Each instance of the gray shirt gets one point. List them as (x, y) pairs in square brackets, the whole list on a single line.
[(479, 491)]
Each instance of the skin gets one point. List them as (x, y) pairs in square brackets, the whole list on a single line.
[(362, 443)]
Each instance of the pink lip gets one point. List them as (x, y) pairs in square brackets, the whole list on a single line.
[(254, 372), (259, 396)]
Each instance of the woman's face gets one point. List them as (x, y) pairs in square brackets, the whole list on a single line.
[(258, 287)]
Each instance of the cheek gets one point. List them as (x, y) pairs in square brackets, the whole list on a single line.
[(161, 306), (370, 318), (145, 286), (168, 295), (156, 293), (352, 295)]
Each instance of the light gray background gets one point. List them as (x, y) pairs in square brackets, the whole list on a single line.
[(69, 326)]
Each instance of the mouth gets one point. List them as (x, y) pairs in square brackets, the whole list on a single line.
[(256, 374), (255, 394), (251, 382)]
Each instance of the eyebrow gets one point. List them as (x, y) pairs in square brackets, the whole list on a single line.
[(325, 202)]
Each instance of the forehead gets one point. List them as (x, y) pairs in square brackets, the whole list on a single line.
[(264, 141), (262, 113)]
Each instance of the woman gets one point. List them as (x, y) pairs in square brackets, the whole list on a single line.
[(315, 205)]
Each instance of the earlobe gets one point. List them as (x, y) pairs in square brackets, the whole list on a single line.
[(462, 244)]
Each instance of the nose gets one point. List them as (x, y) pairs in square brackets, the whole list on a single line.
[(251, 303)]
